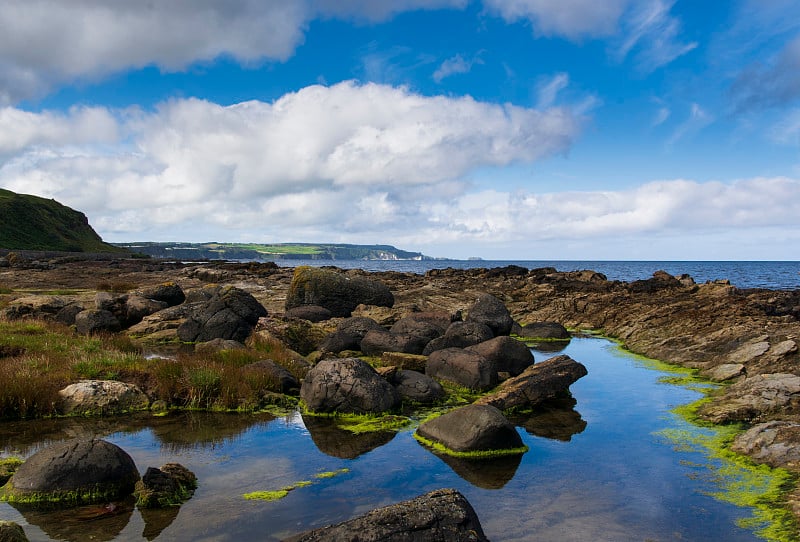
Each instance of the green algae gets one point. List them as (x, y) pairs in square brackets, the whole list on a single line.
[(359, 424), (440, 448), (331, 474), (278, 494)]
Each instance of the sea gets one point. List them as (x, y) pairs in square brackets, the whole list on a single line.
[(775, 275)]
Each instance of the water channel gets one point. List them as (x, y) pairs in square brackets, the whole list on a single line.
[(604, 470)]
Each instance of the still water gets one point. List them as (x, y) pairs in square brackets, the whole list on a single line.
[(599, 471)]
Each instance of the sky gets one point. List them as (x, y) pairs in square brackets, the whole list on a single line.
[(501, 129)]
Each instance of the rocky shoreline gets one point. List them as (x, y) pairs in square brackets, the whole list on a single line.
[(745, 339)]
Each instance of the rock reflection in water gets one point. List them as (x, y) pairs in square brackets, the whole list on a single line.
[(549, 347), (337, 442), (491, 473), (557, 419), (182, 431), (94, 522), (157, 519)]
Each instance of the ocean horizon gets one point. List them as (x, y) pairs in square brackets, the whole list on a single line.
[(777, 275)]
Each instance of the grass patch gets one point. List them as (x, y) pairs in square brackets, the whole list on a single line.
[(478, 454)]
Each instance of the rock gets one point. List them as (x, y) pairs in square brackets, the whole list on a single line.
[(312, 313), (102, 397), (376, 342), (509, 355), (723, 372), (419, 328), (749, 352), (272, 376), (93, 321), (348, 334), (783, 348), (170, 485), (492, 312), (774, 443), (337, 292), (7, 467), (217, 345), (68, 314), (302, 336), (753, 398), (168, 292), (347, 385), (443, 515), (460, 335), (137, 307), (543, 330), (472, 428), (230, 313), (10, 531), (462, 367), (536, 384), (39, 307), (417, 387), (412, 362), (73, 472)]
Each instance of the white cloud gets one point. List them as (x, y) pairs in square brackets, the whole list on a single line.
[(697, 119), (548, 91), (787, 130), (573, 19), (774, 82), (342, 158), (455, 65), (654, 34), (375, 11)]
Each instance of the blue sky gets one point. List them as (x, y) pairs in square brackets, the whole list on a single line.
[(506, 129)]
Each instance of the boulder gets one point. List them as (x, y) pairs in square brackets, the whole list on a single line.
[(774, 443), (462, 367), (102, 397), (349, 334), (536, 384), (73, 472), (39, 307), (376, 342), (509, 355), (417, 387), (443, 515), (347, 385), (412, 362), (93, 321), (460, 335), (230, 313), (217, 345), (472, 428), (419, 328), (312, 313), (10, 531), (337, 292), (170, 485), (543, 330), (752, 398), (137, 307), (273, 376), (168, 292), (68, 314), (492, 312)]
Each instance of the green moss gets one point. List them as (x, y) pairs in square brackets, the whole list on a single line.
[(479, 454), (266, 495), (8, 466), (61, 498), (358, 424), (331, 474)]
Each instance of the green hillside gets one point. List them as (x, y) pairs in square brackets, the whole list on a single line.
[(34, 223)]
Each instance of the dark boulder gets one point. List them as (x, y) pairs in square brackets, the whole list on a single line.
[(417, 387), (230, 313), (337, 292), (347, 385), (376, 342), (73, 472), (460, 335), (542, 330), (443, 515), (39, 307), (348, 334), (420, 328), (472, 428), (11, 532), (93, 321), (538, 383), (312, 313), (462, 367), (509, 355), (168, 292), (489, 310), (170, 485)]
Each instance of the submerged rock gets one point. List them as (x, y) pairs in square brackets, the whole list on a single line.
[(71, 473), (443, 515)]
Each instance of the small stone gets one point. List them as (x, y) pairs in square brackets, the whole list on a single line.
[(726, 371)]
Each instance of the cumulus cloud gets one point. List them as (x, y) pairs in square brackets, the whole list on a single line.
[(349, 156), (574, 19)]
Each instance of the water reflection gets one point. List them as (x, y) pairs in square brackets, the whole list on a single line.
[(337, 442), (485, 473), (556, 419), (94, 522), (548, 347)]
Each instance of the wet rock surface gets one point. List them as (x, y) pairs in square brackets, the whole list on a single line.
[(443, 515), (472, 428)]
